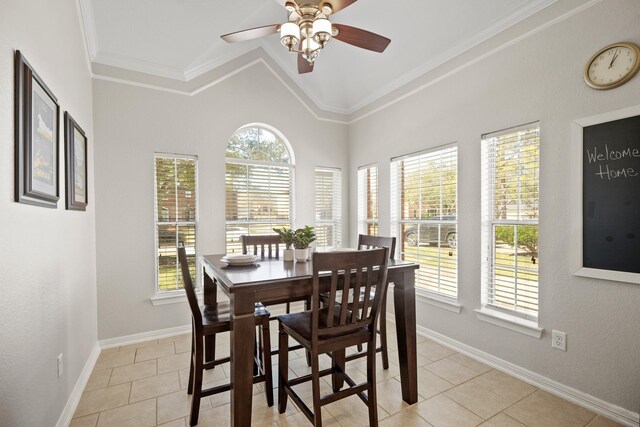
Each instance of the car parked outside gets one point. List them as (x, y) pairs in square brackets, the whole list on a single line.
[(429, 233)]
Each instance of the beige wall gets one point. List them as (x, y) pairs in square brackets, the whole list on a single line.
[(537, 78), (48, 303), (132, 123)]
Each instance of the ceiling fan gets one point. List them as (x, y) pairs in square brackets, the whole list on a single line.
[(308, 30)]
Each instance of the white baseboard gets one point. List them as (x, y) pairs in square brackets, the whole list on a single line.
[(76, 393), (72, 403), (144, 336), (616, 413)]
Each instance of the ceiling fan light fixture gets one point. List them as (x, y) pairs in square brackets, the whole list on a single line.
[(308, 30), (289, 35), (321, 31), (310, 49)]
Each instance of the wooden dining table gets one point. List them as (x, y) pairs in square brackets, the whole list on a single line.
[(275, 280)]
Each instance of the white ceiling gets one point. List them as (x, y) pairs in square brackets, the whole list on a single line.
[(180, 39)]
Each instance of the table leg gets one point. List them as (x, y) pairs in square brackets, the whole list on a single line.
[(210, 291), (404, 301), (242, 334)]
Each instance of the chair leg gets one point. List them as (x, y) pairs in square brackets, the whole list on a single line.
[(190, 385), (371, 380), (266, 361), (210, 348), (283, 369), (197, 382), (383, 334), (315, 388), (307, 306), (256, 356), (288, 308)]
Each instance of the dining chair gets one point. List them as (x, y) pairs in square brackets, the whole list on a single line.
[(333, 327), (366, 241), (214, 319), (271, 243)]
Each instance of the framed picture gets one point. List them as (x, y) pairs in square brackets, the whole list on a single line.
[(75, 148), (36, 138), (605, 225)]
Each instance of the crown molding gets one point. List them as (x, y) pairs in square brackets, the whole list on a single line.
[(293, 75), (198, 68), (88, 25), (395, 91), (519, 15), (147, 67), (363, 113), (244, 62)]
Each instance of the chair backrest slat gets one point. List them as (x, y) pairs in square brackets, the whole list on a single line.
[(366, 295), (356, 291), (270, 241), (352, 270), (332, 303)]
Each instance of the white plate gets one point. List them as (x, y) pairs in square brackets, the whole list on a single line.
[(239, 259)]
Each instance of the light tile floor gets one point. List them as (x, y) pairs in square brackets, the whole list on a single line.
[(145, 385)]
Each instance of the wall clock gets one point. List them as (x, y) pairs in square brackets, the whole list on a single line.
[(612, 66)]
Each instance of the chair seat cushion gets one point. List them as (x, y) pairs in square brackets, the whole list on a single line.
[(300, 323)]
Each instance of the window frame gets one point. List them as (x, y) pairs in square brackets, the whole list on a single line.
[(290, 165), (176, 295), (490, 222), (336, 202), (365, 221), (439, 298)]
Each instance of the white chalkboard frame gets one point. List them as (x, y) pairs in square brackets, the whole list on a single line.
[(576, 190)]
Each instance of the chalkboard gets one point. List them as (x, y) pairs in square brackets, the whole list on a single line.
[(611, 195)]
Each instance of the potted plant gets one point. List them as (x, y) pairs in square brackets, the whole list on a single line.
[(301, 240), (286, 235)]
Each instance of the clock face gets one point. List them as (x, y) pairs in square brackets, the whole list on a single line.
[(612, 66)]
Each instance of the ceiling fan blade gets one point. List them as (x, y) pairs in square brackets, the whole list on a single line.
[(336, 5), (303, 65), (361, 38), (251, 33)]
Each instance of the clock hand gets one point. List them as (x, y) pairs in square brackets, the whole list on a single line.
[(615, 55)]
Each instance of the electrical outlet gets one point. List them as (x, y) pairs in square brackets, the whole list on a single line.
[(60, 365), (559, 340)]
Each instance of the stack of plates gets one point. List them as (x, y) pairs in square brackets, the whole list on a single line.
[(239, 259)]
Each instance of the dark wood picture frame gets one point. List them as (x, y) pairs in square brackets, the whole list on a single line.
[(37, 142), (75, 148)]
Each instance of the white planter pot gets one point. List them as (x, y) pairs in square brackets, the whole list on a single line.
[(288, 255), (302, 255)]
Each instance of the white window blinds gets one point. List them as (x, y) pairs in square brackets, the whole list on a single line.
[(424, 216), (368, 200), (258, 185), (510, 188), (176, 217), (328, 207)]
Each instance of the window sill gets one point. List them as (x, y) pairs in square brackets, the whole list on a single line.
[(439, 301), (163, 298), (513, 323)]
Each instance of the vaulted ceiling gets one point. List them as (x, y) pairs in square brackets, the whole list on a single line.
[(180, 39)]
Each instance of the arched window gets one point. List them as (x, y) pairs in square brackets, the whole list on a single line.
[(258, 183)]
